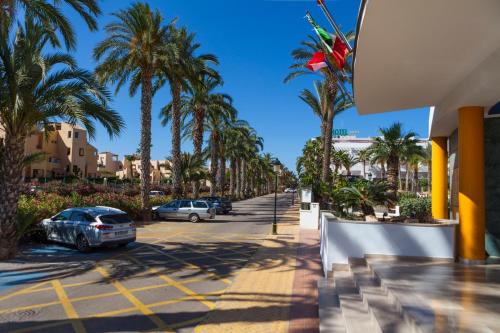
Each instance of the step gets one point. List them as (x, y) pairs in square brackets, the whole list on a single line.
[(384, 312), (356, 314), (330, 316), (417, 315)]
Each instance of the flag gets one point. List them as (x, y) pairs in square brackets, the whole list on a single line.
[(335, 26), (336, 47), (317, 62)]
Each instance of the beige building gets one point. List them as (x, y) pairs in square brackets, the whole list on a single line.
[(108, 164), (66, 152), (160, 169)]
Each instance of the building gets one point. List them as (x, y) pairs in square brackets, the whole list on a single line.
[(160, 169), (353, 145), (65, 150), (444, 55), (108, 164)]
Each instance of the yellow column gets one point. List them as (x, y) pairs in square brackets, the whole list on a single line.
[(471, 184), (439, 178)]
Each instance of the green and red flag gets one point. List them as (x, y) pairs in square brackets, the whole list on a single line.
[(317, 62)]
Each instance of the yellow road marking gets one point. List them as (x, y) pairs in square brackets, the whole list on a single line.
[(28, 307), (178, 285), (115, 312), (23, 291), (135, 301), (193, 266), (68, 307)]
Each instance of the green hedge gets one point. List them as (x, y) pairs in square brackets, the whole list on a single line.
[(419, 208)]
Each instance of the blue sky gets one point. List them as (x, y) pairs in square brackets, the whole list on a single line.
[(253, 40)]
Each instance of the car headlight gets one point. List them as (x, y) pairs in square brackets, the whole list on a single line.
[(155, 207)]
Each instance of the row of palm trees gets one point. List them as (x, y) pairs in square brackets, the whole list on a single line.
[(40, 84)]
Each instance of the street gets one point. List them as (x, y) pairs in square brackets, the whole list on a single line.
[(168, 280)]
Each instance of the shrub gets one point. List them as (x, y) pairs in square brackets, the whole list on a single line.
[(419, 208)]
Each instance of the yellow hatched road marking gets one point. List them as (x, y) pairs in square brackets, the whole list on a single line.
[(68, 307), (193, 266), (28, 307), (178, 285), (135, 301), (23, 291)]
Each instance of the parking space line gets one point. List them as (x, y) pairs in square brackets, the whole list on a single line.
[(135, 301), (178, 285), (68, 307), (29, 307), (193, 266), (115, 312)]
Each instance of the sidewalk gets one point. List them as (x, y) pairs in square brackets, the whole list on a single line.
[(276, 291)]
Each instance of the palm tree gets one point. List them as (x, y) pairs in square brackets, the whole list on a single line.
[(413, 162), (301, 56), (365, 195), (192, 169), (37, 89), (363, 157), (134, 50), (48, 14), (348, 162), (392, 143), (178, 70)]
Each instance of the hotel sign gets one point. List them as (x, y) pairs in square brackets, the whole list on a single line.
[(340, 132)]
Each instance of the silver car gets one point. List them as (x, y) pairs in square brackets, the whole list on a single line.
[(191, 210), (89, 227)]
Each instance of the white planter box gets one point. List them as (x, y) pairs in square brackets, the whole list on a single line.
[(309, 219), (341, 239)]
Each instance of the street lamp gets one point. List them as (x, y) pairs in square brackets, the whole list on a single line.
[(276, 168)]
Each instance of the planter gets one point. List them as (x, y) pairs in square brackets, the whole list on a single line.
[(341, 239)]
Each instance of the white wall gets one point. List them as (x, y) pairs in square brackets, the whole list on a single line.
[(309, 219), (343, 239)]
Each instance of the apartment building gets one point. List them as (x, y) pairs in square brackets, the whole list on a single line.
[(66, 152), (160, 169), (108, 164)]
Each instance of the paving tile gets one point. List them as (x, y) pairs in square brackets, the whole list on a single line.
[(88, 308)]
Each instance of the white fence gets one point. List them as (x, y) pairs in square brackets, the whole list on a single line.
[(341, 239)]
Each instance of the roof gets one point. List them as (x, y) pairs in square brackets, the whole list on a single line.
[(424, 53)]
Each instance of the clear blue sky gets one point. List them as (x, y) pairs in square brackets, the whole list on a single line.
[(253, 40)]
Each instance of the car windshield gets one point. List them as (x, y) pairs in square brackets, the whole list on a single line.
[(115, 219)]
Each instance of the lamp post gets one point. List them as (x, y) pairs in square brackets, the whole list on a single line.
[(276, 168)]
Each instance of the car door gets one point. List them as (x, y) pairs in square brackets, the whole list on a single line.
[(169, 211), (78, 221), (57, 223), (184, 209)]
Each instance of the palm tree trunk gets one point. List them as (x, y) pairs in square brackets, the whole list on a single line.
[(364, 169), (327, 148), (199, 115), (392, 174), (222, 173), (214, 161), (11, 174), (407, 177), (176, 140), (415, 178), (238, 178), (244, 177), (232, 177), (146, 100), (429, 176), (382, 170)]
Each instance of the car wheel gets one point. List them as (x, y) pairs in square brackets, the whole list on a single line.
[(82, 244), (194, 218), (123, 244)]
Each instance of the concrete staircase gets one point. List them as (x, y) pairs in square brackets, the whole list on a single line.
[(357, 300)]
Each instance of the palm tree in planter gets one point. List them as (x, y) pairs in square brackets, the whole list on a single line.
[(178, 69), (392, 143), (36, 89), (133, 50), (364, 156), (301, 57), (365, 195)]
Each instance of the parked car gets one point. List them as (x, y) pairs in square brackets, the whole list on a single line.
[(221, 205), (156, 193), (89, 227), (290, 190), (191, 210)]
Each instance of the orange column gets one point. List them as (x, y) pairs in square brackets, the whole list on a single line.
[(471, 195), (440, 178)]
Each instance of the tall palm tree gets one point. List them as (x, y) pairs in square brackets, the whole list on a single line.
[(133, 51), (301, 56), (178, 71), (48, 14), (37, 88), (393, 142), (192, 169), (348, 162), (364, 157)]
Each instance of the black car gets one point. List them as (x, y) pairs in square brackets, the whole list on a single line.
[(221, 205)]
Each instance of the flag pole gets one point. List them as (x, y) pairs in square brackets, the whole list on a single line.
[(330, 19)]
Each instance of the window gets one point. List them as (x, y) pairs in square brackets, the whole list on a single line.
[(185, 204), (172, 204), (69, 134), (115, 219), (200, 204), (62, 216), (81, 152), (68, 152), (82, 217), (77, 134)]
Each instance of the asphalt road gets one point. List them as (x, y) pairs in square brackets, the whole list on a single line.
[(167, 281)]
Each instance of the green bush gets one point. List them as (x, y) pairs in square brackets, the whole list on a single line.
[(419, 208)]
